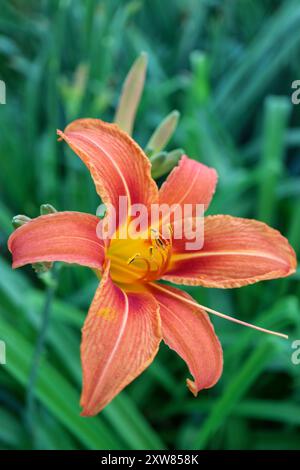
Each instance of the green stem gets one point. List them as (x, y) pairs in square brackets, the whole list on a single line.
[(38, 350)]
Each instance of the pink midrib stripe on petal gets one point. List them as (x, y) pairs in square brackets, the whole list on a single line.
[(183, 257), (115, 348), (189, 190), (119, 171)]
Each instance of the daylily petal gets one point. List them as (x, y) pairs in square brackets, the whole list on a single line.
[(236, 252), (191, 334), (190, 182), (120, 339), (117, 164), (63, 236)]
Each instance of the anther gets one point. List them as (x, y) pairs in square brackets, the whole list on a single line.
[(131, 260), (159, 242)]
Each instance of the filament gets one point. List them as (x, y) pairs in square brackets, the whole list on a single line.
[(214, 312)]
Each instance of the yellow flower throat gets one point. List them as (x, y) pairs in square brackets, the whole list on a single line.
[(138, 260)]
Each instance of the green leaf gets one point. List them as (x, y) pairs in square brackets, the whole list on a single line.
[(235, 390), (54, 392), (276, 113)]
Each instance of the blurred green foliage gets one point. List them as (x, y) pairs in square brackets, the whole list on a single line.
[(228, 68)]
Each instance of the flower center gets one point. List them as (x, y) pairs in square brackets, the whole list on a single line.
[(139, 259)]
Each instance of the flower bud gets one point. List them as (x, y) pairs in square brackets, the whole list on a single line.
[(162, 134), (164, 162), (47, 209), (19, 220)]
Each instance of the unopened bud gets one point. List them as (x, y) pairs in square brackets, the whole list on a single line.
[(47, 209), (131, 94), (19, 220), (163, 162), (162, 134)]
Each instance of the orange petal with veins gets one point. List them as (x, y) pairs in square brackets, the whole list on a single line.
[(63, 236), (236, 252), (190, 182), (118, 166), (120, 338), (189, 331)]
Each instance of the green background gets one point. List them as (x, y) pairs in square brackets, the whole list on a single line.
[(228, 68)]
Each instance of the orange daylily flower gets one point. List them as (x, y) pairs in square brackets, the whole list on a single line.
[(131, 312)]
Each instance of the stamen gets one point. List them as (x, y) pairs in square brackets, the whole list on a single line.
[(155, 254), (141, 258), (131, 260), (162, 264), (159, 243), (214, 312)]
